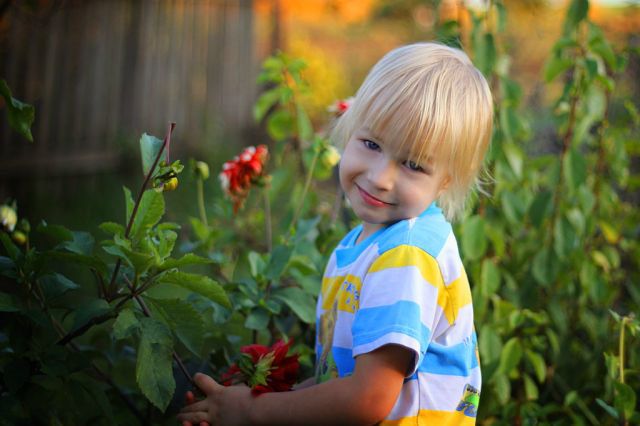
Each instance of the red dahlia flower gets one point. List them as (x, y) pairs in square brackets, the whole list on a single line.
[(242, 172), (339, 107), (264, 369)]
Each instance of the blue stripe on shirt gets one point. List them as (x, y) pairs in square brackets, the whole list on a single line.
[(401, 317), (456, 360)]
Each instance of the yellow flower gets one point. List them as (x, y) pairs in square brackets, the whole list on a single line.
[(8, 217)]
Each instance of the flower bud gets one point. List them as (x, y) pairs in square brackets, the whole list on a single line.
[(202, 170), (19, 237), (170, 184), (330, 156), (24, 225), (8, 217)]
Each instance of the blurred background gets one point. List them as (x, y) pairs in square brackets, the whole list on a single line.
[(100, 73)]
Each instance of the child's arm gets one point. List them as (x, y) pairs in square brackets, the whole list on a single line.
[(366, 397)]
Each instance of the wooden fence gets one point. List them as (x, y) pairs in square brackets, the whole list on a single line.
[(101, 72)]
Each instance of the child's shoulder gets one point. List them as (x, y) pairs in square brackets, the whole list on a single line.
[(430, 232)]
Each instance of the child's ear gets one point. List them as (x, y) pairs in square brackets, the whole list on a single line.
[(445, 184)]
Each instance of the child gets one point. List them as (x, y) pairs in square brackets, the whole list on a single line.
[(395, 337)]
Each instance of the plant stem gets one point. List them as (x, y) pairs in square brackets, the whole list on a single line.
[(305, 190), (112, 284), (623, 324), (203, 214), (267, 218)]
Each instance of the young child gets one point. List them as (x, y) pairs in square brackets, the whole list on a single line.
[(395, 338)]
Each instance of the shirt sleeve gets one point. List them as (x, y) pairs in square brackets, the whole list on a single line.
[(401, 301)]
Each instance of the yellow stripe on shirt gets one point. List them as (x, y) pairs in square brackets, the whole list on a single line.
[(450, 298), (432, 417)]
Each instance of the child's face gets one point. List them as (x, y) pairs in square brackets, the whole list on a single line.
[(382, 185)]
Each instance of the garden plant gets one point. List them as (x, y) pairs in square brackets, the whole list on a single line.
[(120, 318)]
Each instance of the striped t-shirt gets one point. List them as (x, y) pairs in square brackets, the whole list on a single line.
[(404, 285)]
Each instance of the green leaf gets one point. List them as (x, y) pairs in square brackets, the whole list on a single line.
[(281, 124), (278, 261), (576, 169), (503, 388), (112, 228), (20, 115), (305, 131), (57, 232), (56, 285), (538, 363), (485, 53), (82, 243), (489, 277), (514, 157), (301, 303), (545, 267), (490, 348), (576, 13), (88, 311), (187, 259), (150, 147), (80, 259), (609, 409), (556, 66), (564, 237), (265, 102), (199, 284), (564, 43), (474, 242), (154, 372), (530, 388), (185, 321), (511, 355), (140, 262), (257, 319), (256, 263), (509, 122), (540, 208), (571, 398), (126, 324), (9, 303), (149, 212), (304, 265), (625, 399), (12, 250), (511, 91)]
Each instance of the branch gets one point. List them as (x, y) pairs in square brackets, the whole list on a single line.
[(167, 141)]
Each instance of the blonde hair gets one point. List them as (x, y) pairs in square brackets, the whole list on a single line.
[(430, 100)]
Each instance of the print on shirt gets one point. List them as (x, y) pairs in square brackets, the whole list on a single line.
[(326, 367), (469, 402)]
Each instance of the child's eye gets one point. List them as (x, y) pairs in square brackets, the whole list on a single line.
[(371, 145), (413, 166)]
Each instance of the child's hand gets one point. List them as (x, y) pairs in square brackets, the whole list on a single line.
[(189, 399), (222, 405)]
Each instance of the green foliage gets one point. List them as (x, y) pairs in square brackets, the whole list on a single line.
[(20, 115), (555, 245), (552, 255)]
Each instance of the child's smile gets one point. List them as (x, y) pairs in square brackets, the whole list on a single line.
[(382, 185)]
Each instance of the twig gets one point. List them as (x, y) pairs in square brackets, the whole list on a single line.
[(165, 144), (305, 190)]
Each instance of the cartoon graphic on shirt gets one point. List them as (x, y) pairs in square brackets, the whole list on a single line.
[(469, 401), (326, 367)]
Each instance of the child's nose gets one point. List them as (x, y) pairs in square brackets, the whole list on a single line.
[(382, 174)]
